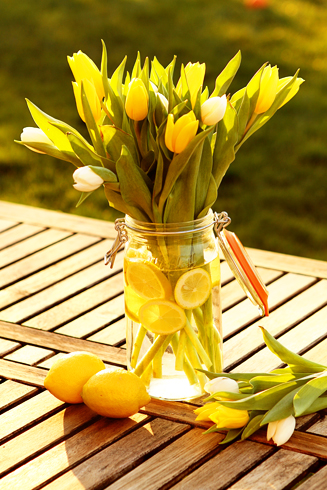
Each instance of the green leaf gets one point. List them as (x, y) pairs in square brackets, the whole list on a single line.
[(83, 196), (232, 434), (117, 78), (226, 77), (319, 404), (282, 409), (253, 425), (114, 139), (48, 150), (60, 140), (296, 362), (104, 69), (226, 394), (116, 201), (235, 376), (309, 393), (263, 400), (177, 165), (226, 138), (91, 125), (204, 177), (211, 197), (137, 67), (134, 190), (261, 383), (83, 152), (104, 173)]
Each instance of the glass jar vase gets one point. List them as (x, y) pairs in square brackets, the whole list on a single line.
[(172, 305)]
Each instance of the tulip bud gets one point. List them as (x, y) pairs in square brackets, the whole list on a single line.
[(86, 180), (281, 430), (91, 96), (84, 68), (221, 384), (35, 135), (213, 110), (204, 412), (294, 90), (137, 100), (195, 76), (179, 134), (268, 89), (229, 418)]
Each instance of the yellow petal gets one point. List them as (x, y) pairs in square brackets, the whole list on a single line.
[(169, 132), (185, 136)]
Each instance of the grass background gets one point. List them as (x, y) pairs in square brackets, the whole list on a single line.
[(275, 191)]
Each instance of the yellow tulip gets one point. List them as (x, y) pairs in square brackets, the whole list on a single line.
[(294, 90), (229, 418), (84, 68), (179, 134), (207, 409), (137, 100), (195, 76), (91, 96), (268, 89)]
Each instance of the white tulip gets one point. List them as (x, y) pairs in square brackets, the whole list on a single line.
[(35, 135), (281, 430), (213, 110), (221, 384), (86, 180)]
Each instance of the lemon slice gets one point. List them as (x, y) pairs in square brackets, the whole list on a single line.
[(162, 317), (133, 303), (193, 288), (148, 281)]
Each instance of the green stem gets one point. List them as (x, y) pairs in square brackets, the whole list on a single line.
[(187, 366), (194, 359), (180, 351), (137, 345), (157, 363), (149, 355), (198, 346)]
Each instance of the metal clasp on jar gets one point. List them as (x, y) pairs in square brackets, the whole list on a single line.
[(120, 239)]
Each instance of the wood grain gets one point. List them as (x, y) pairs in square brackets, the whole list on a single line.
[(171, 463), (44, 258), (13, 392), (114, 334), (5, 224), (29, 354), (278, 471), (31, 245), (58, 342), (226, 467), (315, 482), (19, 372), (113, 462), (55, 219), (17, 234)]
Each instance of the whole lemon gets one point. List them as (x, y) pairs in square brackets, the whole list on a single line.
[(115, 393), (67, 375)]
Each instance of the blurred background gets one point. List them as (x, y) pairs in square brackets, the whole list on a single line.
[(275, 191)]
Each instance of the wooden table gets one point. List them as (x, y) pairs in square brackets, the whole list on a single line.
[(57, 296)]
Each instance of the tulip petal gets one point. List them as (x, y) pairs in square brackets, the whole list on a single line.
[(185, 136), (169, 132)]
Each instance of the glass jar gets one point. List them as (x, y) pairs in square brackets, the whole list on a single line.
[(172, 305)]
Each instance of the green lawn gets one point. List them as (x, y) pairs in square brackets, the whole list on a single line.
[(275, 191)]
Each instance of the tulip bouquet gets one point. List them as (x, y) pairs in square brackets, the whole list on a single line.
[(246, 402), (160, 152)]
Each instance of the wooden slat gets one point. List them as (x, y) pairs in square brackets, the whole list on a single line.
[(27, 413), (318, 353), (238, 347), (315, 482), (29, 354), (7, 346), (5, 224), (43, 435), (232, 293), (170, 463), (44, 258), (19, 372), (59, 342), (279, 292), (84, 279), (12, 392), (111, 335), (18, 234), (319, 427), (95, 319), (277, 472), (289, 263), (119, 458), (296, 340), (226, 467), (55, 219), (77, 305), (31, 245)]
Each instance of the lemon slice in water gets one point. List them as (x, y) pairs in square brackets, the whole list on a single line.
[(148, 281), (193, 288), (162, 317)]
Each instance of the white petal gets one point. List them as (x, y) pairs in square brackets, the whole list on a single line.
[(271, 429), (221, 384), (285, 429), (35, 135), (85, 175), (84, 187)]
